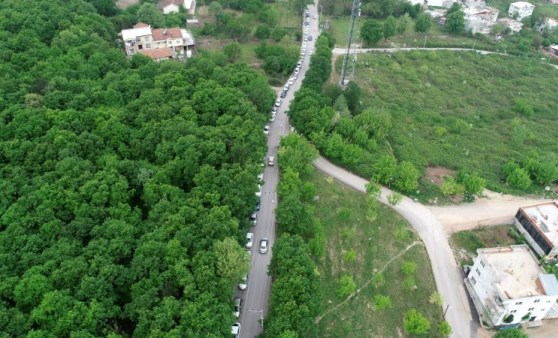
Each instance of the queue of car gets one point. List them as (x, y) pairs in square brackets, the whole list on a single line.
[(250, 238)]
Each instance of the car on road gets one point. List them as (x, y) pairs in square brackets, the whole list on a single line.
[(291, 81), (249, 240), (254, 217), (258, 205), (266, 130), (271, 161), (243, 283), (264, 242), (235, 330), (237, 304), (299, 63), (272, 119), (315, 16), (278, 102), (283, 94), (286, 88), (309, 38)]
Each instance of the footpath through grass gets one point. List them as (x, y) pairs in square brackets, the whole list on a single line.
[(457, 109), (362, 248)]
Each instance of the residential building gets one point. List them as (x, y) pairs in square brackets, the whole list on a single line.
[(173, 6), (169, 42), (509, 288), (434, 3), (520, 10), (480, 19), (539, 225), (548, 24), (514, 25)]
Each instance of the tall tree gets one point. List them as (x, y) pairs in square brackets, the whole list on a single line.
[(455, 22), (390, 27), (423, 23), (371, 32)]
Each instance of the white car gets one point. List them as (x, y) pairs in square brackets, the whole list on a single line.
[(237, 302), (249, 240), (259, 192), (254, 217), (272, 119), (243, 283), (277, 102), (271, 161), (299, 63), (235, 330), (291, 81), (263, 245), (266, 130), (286, 88), (304, 45)]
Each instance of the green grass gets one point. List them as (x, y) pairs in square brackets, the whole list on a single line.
[(341, 210), (287, 16), (456, 110), (436, 37), (485, 237)]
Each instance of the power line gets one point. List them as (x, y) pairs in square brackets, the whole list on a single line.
[(355, 12)]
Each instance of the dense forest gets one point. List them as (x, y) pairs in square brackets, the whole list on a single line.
[(125, 185)]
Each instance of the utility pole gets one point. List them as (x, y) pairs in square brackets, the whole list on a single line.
[(354, 13)]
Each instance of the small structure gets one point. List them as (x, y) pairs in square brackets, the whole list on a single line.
[(539, 225), (553, 49), (508, 287), (173, 6), (514, 25), (520, 10), (548, 24), (159, 43), (480, 19), (434, 3)]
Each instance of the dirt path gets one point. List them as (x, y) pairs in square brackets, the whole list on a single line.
[(490, 210)]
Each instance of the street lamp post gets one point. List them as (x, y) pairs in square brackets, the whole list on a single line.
[(446, 310)]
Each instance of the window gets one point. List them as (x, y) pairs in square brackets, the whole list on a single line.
[(473, 280), (478, 271), (513, 311), (148, 45), (543, 310), (482, 263), (518, 303), (537, 300), (531, 309)]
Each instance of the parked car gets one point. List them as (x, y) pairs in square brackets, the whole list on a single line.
[(286, 88), (266, 130), (309, 38), (254, 217), (271, 161), (249, 240), (299, 63), (263, 245), (237, 303), (243, 283), (258, 206), (272, 119), (292, 80), (278, 102), (235, 330), (283, 94)]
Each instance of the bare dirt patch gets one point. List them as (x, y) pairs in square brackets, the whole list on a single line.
[(123, 4), (436, 175)]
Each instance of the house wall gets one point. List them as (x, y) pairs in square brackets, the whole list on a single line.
[(482, 279), (533, 236), (520, 11)]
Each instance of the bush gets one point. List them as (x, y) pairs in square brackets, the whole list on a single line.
[(347, 286), (416, 323)]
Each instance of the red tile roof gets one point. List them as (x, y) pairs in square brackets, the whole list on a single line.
[(157, 54), (140, 24), (166, 33)]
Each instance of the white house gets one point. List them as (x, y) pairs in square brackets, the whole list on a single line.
[(548, 24), (520, 10), (434, 3), (508, 287), (173, 6), (480, 19), (539, 225), (159, 43)]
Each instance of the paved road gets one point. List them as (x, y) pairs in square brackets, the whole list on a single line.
[(256, 296), (448, 277)]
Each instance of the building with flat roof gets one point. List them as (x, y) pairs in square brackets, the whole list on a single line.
[(520, 10), (158, 43), (508, 287), (539, 225), (480, 19)]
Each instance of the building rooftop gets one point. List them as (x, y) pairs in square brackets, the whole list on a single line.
[(522, 4), (166, 33), (545, 217), (158, 54), (133, 33), (516, 271)]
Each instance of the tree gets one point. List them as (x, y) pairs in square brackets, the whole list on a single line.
[(451, 187), (390, 27), (406, 177), (455, 7), (347, 286), (510, 333), (231, 260), (382, 302), (423, 23), (371, 32), (262, 32), (519, 178), (473, 183), (416, 323), (384, 169), (352, 94), (402, 24), (455, 22), (150, 14), (394, 198), (445, 329), (297, 153), (232, 51)]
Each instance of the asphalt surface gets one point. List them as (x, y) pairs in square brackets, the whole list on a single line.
[(448, 277), (257, 294)]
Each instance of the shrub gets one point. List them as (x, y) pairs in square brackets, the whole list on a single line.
[(347, 286)]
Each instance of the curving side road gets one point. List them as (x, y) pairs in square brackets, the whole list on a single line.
[(340, 51), (448, 277)]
